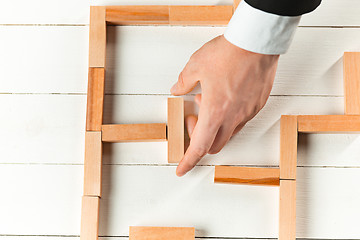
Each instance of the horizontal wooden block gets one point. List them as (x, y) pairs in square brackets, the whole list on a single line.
[(288, 146), (137, 15), (352, 82), (97, 37), (328, 123), (95, 99), (92, 164), (161, 233), (175, 130), (134, 132), (200, 15), (287, 214), (90, 218), (247, 175)]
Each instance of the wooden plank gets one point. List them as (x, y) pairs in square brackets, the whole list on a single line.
[(247, 175), (97, 37), (95, 99), (161, 233), (92, 164), (287, 214), (175, 131), (236, 4), (90, 218), (200, 15), (137, 15), (328, 123), (351, 71), (288, 146), (152, 132)]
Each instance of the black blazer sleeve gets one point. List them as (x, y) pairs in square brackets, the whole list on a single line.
[(285, 7)]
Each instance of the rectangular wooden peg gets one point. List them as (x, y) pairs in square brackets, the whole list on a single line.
[(162, 233), (152, 132), (200, 15), (92, 164), (287, 215), (95, 99), (352, 82), (175, 133), (288, 146), (247, 175), (90, 218), (97, 36), (328, 123)]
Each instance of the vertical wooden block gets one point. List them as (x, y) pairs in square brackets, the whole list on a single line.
[(200, 15), (95, 99), (90, 218), (288, 146), (97, 36), (287, 215), (352, 82), (175, 133), (236, 4), (161, 233), (92, 164)]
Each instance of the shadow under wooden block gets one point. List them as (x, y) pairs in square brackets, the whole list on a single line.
[(175, 130), (95, 99), (352, 82), (90, 218), (97, 37), (247, 175), (328, 123), (161, 233), (200, 15), (137, 15), (92, 164), (288, 146), (153, 132), (287, 214)]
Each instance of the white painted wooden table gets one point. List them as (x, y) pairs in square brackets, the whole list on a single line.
[(43, 66)]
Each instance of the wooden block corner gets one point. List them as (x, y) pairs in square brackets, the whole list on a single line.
[(161, 233), (175, 130)]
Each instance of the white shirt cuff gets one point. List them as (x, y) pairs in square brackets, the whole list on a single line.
[(261, 32)]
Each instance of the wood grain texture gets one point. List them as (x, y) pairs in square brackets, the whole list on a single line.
[(328, 123), (351, 61), (247, 175), (288, 146), (152, 132), (137, 15), (175, 130), (97, 37), (95, 99), (287, 214), (200, 15), (90, 218), (92, 164), (161, 233)]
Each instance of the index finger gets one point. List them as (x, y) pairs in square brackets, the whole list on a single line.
[(201, 141)]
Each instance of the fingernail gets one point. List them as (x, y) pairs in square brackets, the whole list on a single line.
[(179, 173)]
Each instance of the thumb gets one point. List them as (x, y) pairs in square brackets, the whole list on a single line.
[(185, 84)]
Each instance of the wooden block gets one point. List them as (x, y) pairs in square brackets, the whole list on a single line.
[(95, 99), (97, 37), (175, 134), (137, 15), (200, 15), (161, 233), (288, 146), (247, 175), (352, 82), (92, 164), (89, 218), (287, 215), (236, 4), (328, 123), (134, 132)]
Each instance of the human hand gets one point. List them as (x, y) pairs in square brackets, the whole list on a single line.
[(235, 86)]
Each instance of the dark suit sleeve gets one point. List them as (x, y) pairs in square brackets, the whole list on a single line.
[(285, 7)]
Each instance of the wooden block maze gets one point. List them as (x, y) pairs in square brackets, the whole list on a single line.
[(173, 130)]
